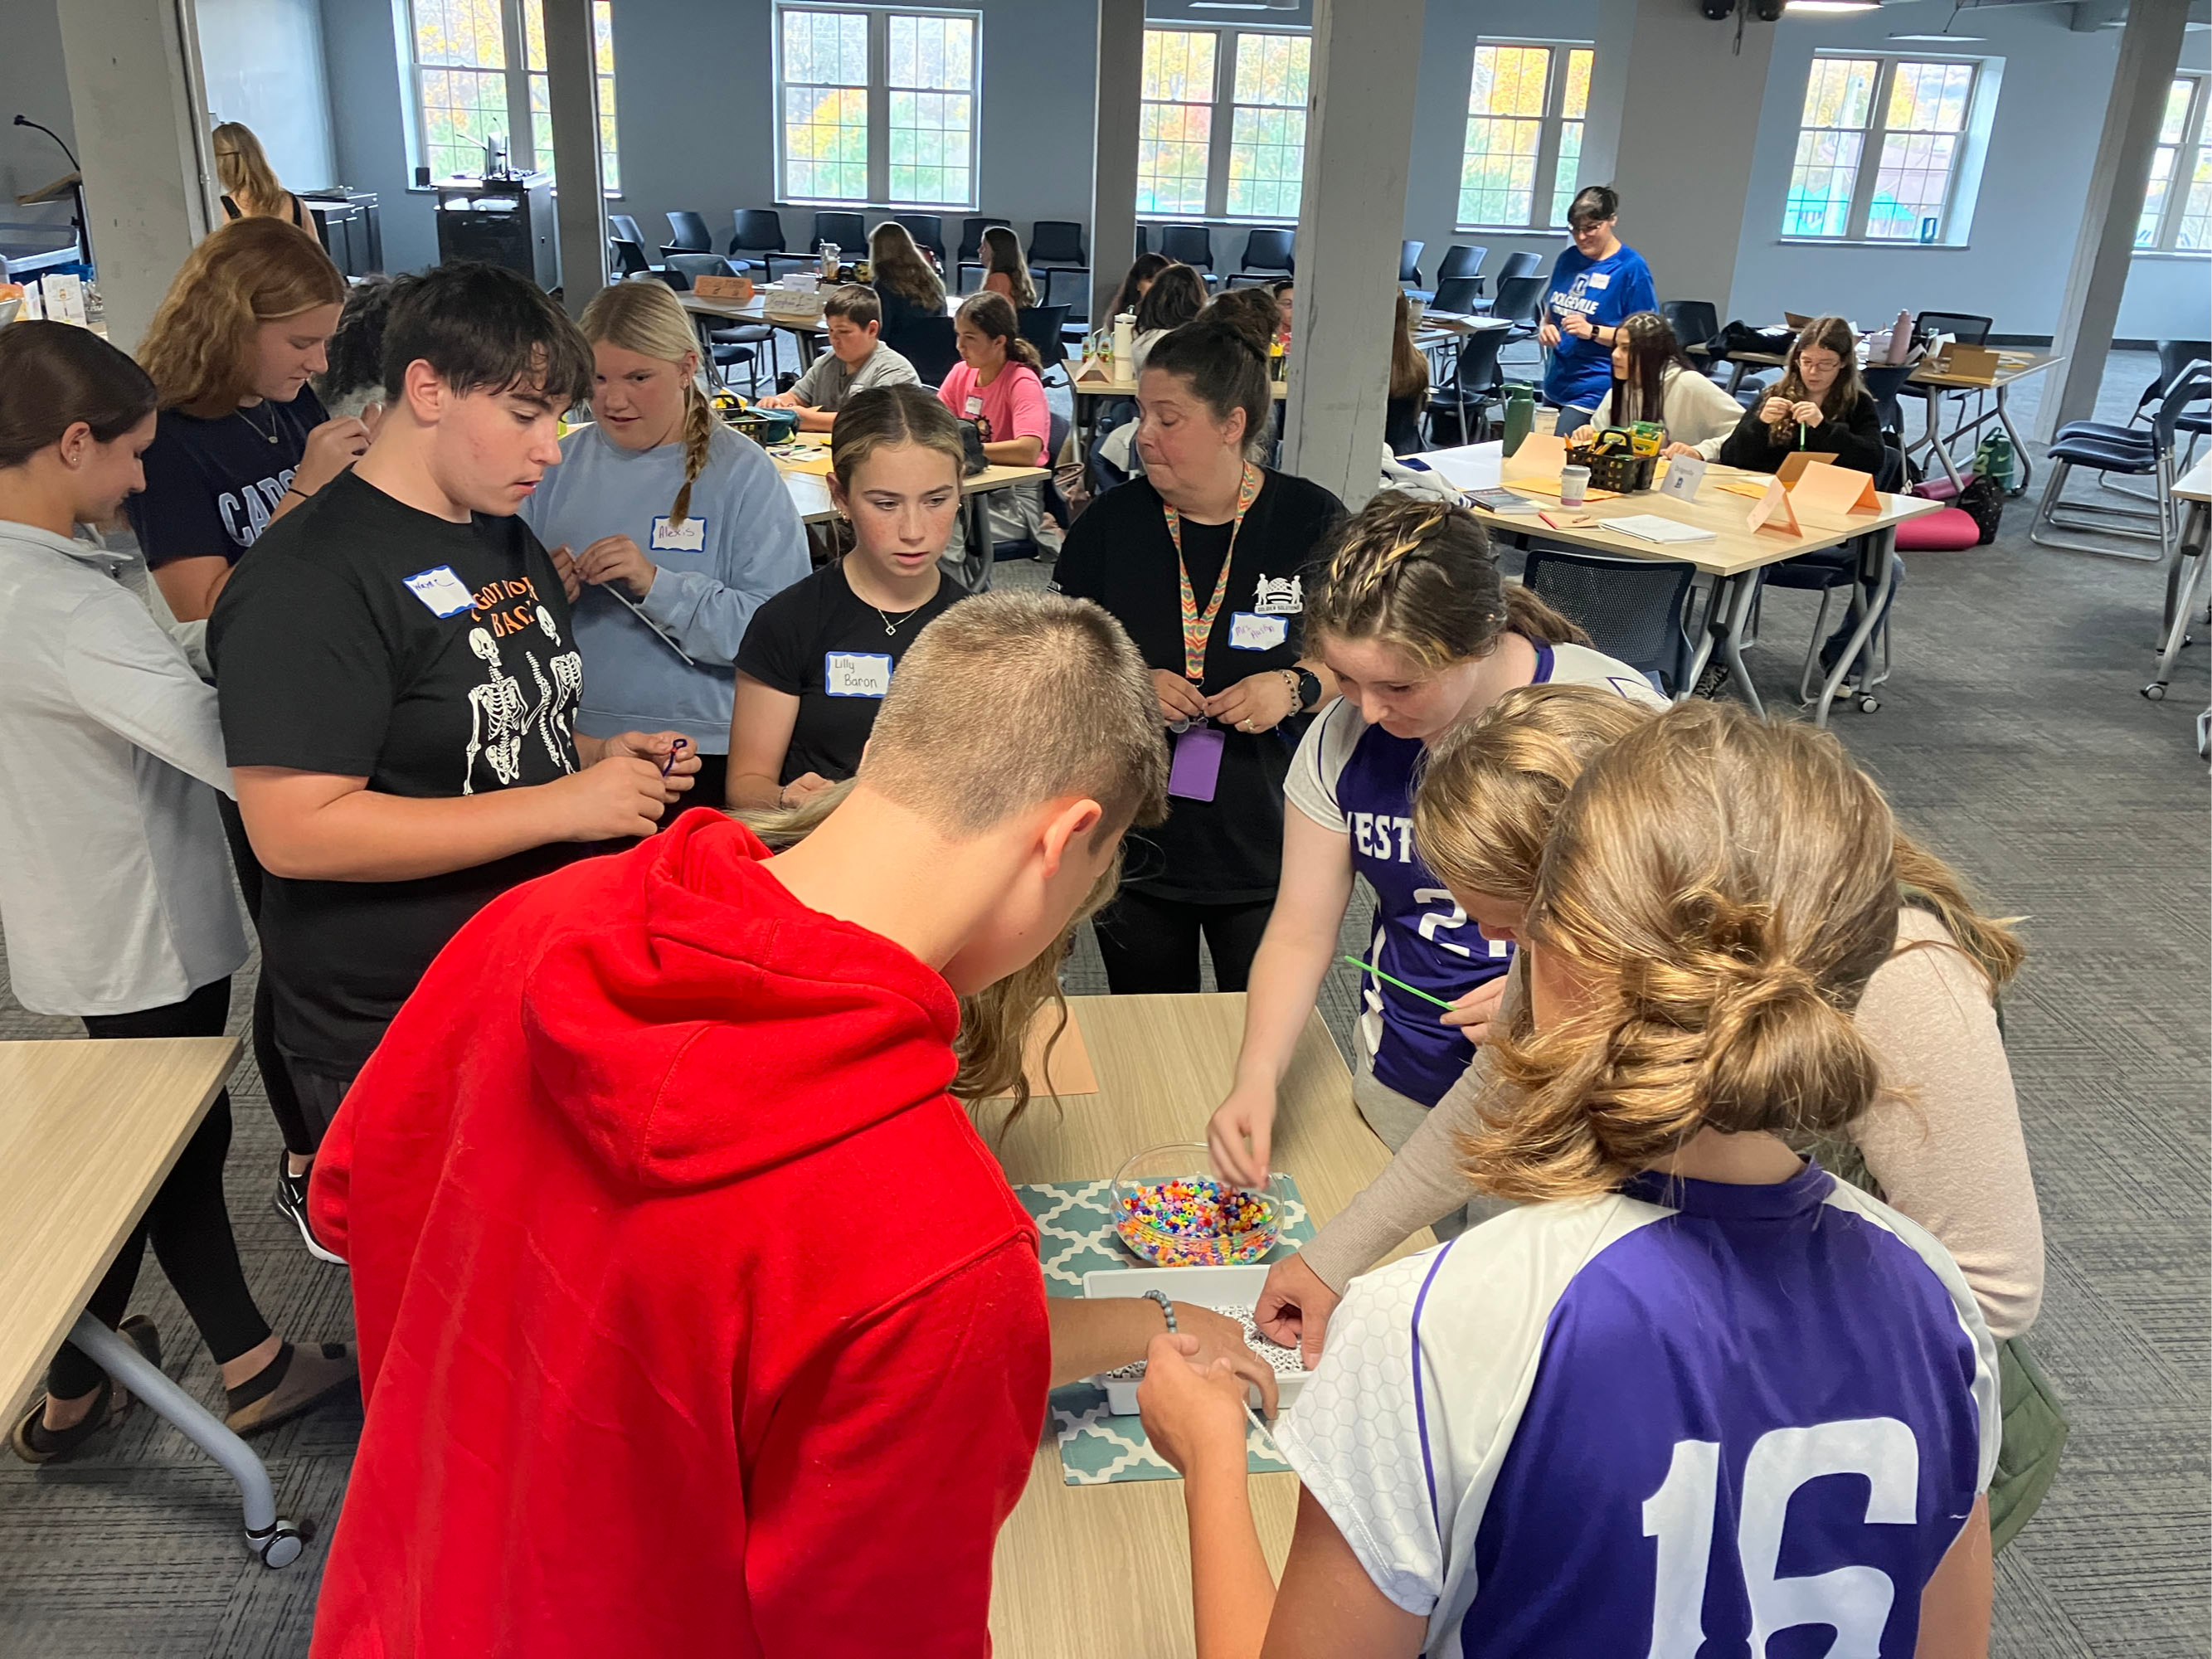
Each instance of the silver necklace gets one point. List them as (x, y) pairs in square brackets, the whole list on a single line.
[(267, 437), (890, 628)]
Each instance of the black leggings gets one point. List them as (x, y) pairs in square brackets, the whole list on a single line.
[(187, 1222), (1151, 944), (300, 1137)]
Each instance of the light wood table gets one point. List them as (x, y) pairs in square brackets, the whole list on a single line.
[(810, 494), (809, 332), (2194, 492), (89, 1131), (1089, 395), (2012, 367), (1104, 1571), (1734, 558)]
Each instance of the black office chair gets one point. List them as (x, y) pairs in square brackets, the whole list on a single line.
[(1835, 570), (1458, 297), (1267, 255), (1464, 400), (1697, 325), (1883, 381), (629, 258), (1632, 609), (757, 239), (1409, 269), (1188, 245), (1042, 325), (927, 230), (1963, 326), (622, 225), (849, 231), (1070, 291), (1462, 260), (1057, 242), (1523, 264), (927, 343), (687, 233), (737, 347), (2140, 455), (1144, 241)]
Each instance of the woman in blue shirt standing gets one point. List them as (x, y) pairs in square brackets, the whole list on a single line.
[(1596, 285), (668, 529)]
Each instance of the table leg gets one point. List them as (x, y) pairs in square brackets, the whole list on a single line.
[(1727, 614), (1877, 553), (2019, 449), (277, 1542), (2189, 570), (1934, 398), (975, 571)]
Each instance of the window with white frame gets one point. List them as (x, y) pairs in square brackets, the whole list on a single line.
[(2177, 210), (476, 61), (1199, 83), (878, 105), (1527, 103), (1879, 148)]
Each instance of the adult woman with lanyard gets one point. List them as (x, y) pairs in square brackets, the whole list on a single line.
[(1200, 559), (1412, 618), (1596, 285)]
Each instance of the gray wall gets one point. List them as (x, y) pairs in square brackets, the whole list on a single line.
[(263, 64), (368, 132), (33, 81)]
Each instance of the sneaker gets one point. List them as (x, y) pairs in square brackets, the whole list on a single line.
[(292, 1205), (1048, 537), (1714, 680)]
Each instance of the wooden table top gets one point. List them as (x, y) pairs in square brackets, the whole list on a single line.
[(755, 310), (2196, 484), (2011, 366), (1120, 388), (1455, 322), (809, 491), (88, 1133), (1735, 547), (1104, 1572)]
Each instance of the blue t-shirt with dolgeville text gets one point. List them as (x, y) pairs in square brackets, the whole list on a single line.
[(1688, 1418), (1608, 292)]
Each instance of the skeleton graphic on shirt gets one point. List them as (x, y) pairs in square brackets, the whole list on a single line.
[(501, 715)]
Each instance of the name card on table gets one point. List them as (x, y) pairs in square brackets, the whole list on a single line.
[(737, 288), (1684, 474), (1773, 511), (1540, 454), (1796, 464), (1093, 369), (1833, 494)]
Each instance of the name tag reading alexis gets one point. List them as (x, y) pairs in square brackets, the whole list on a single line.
[(856, 674), (690, 536)]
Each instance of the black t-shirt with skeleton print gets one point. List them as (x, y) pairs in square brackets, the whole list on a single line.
[(362, 638)]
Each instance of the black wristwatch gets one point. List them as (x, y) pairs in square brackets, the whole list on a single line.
[(1309, 691)]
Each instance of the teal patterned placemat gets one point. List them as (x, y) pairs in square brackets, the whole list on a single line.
[(1075, 1229)]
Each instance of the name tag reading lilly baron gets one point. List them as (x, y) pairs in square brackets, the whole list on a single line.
[(856, 674)]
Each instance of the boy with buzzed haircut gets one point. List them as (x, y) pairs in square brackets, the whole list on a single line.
[(857, 360), (694, 1315), (397, 678)]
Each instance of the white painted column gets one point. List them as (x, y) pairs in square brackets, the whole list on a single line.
[(1688, 126), (572, 91), (1113, 153), (142, 127), (1352, 215), (2150, 48)]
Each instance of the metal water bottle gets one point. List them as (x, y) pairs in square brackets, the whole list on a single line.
[(1520, 413)]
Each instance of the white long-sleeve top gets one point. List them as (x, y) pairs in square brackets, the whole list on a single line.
[(1696, 412), (115, 889)]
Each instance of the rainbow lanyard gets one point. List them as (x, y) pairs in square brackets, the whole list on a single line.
[(1198, 626)]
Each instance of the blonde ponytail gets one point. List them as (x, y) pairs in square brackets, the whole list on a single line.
[(647, 317), (1722, 888)]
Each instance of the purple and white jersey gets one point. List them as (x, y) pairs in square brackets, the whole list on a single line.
[(1675, 1421), (1357, 780)]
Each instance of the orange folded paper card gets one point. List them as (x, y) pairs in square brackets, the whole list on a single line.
[(1755, 486), (1796, 464), (1094, 368), (1835, 492), (740, 288), (1774, 511), (1067, 1069), (1540, 452)]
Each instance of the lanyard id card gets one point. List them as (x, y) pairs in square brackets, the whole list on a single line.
[(1197, 625), (1195, 771)]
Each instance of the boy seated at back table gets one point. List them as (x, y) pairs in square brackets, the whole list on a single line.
[(857, 360)]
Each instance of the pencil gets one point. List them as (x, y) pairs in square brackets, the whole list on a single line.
[(1367, 967)]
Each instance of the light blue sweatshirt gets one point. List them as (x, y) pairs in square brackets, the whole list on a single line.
[(752, 546)]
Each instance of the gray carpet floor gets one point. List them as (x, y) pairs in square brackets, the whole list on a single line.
[(2012, 737)]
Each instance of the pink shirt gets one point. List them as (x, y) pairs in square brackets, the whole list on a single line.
[(1012, 406)]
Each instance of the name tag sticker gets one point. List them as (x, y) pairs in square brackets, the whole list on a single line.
[(1600, 280), (690, 536), (856, 674), (974, 405), (441, 591), (1195, 770), (1249, 632)]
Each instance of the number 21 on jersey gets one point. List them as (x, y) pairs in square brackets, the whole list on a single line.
[(1854, 1600), (1434, 922)]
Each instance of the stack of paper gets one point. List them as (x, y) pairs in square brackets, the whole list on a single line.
[(1649, 527)]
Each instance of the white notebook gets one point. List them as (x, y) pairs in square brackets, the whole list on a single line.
[(1649, 527)]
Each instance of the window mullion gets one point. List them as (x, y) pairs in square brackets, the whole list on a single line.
[(879, 106), (1547, 181), (1870, 140), (1223, 120), (521, 154)]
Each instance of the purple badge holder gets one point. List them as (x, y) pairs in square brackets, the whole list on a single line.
[(1196, 768)]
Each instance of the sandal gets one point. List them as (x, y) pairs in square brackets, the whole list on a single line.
[(301, 1378), (35, 1443)]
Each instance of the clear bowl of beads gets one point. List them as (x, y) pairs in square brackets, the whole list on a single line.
[(1171, 1210)]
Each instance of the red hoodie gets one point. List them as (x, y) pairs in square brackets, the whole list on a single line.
[(694, 1317)]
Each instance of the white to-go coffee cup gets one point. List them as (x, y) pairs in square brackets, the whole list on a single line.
[(1574, 485)]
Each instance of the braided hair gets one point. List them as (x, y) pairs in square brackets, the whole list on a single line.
[(647, 318), (1418, 574)]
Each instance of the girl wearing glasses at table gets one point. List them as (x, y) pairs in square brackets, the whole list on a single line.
[(1410, 616), (1201, 559), (114, 889), (1610, 1421), (667, 529), (1818, 405), (1596, 285), (1653, 380)]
